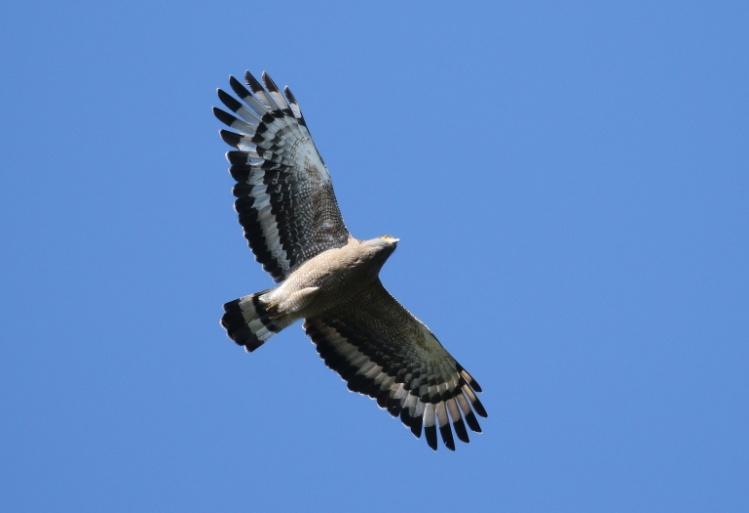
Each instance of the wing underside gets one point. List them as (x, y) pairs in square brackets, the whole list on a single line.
[(284, 194), (383, 351)]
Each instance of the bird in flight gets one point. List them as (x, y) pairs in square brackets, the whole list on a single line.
[(289, 213)]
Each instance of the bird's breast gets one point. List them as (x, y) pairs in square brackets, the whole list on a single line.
[(337, 274)]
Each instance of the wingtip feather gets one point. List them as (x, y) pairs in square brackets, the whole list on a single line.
[(230, 138), (224, 116), (252, 82), (460, 431), (447, 436), (268, 81), (228, 100), (430, 432)]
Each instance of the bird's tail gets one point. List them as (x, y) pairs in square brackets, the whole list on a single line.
[(249, 323)]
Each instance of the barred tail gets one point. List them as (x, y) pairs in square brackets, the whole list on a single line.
[(248, 323)]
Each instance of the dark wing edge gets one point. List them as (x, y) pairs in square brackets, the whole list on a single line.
[(284, 194), (404, 368)]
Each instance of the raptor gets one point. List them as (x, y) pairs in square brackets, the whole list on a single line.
[(290, 216)]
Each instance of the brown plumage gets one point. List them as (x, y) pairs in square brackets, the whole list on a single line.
[(286, 205)]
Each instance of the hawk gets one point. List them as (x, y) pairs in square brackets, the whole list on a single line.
[(287, 207)]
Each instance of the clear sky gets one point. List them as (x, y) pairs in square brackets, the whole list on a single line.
[(570, 183)]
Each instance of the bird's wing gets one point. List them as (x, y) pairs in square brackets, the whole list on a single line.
[(383, 351), (285, 198)]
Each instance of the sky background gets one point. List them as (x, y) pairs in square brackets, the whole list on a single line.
[(570, 183)]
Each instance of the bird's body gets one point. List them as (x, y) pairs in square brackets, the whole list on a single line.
[(326, 281), (327, 277), (330, 279)]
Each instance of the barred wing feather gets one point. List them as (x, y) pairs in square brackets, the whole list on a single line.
[(383, 351), (284, 194)]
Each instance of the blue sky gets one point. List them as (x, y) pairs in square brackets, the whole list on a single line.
[(570, 183)]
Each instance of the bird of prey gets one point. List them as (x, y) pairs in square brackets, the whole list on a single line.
[(286, 205)]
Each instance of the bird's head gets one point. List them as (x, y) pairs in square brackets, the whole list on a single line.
[(386, 244), (389, 240), (381, 248)]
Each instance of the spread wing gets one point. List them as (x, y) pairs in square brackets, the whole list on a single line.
[(285, 198), (383, 351)]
